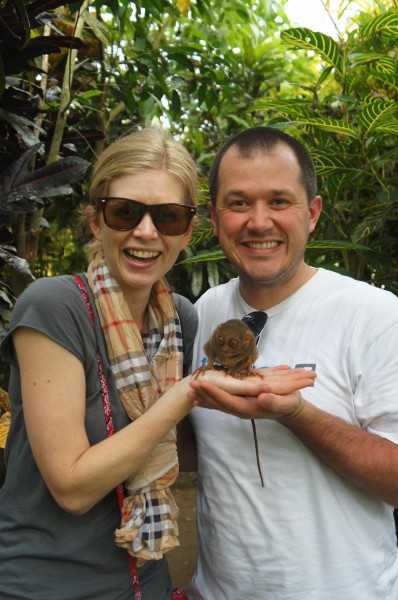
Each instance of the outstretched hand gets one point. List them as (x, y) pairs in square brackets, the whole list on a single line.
[(274, 394)]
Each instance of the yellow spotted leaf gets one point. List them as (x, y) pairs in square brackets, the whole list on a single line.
[(4, 427), (183, 6)]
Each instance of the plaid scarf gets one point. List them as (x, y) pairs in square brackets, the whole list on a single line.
[(144, 368)]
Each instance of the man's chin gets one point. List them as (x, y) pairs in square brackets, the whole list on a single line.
[(263, 279)]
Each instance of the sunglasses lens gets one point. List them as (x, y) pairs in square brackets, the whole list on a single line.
[(171, 219), (122, 214)]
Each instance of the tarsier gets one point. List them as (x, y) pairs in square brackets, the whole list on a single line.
[(232, 345), (232, 348)]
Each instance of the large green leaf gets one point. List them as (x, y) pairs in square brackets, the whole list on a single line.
[(322, 44), (294, 108), (200, 234), (391, 129), (372, 224), (386, 23), (337, 183), (213, 255), (298, 113), (333, 125), (335, 245), (381, 62), (378, 114), (99, 29), (333, 160), (206, 255), (386, 78)]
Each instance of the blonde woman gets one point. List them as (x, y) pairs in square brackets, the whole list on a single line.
[(59, 508)]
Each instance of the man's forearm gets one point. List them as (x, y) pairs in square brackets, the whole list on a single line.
[(368, 461)]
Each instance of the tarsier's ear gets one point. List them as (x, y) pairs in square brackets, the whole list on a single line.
[(248, 336)]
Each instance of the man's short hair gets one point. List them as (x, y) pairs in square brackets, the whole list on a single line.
[(257, 140)]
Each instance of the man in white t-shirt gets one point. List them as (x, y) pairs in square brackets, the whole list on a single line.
[(321, 527)]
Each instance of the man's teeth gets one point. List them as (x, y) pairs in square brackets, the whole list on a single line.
[(262, 245), (142, 253)]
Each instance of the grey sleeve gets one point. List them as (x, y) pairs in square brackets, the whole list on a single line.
[(189, 325), (53, 306)]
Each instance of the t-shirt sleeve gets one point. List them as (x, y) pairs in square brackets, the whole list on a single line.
[(376, 399), (54, 307)]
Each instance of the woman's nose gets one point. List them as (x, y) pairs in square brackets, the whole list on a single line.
[(146, 228)]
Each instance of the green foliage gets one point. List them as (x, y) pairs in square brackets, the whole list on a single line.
[(21, 191), (347, 114), (206, 70), (340, 98), (27, 181)]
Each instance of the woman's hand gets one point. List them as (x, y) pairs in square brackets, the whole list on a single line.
[(271, 393)]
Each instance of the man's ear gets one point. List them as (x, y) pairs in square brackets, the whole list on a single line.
[(315, 209), (213, 218)]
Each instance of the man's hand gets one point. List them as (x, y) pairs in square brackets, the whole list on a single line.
[(274, 395)]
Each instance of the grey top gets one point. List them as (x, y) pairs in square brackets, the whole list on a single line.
[(45, 552)]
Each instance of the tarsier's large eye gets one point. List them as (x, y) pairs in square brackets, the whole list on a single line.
[(233, 343), (220, 340)]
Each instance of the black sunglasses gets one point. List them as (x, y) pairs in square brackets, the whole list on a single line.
[(123, 214), (256, 321)]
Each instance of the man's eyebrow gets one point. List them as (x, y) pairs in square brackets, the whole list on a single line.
[(233, 192)]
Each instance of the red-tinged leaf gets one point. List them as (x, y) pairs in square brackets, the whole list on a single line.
[(22, 190), (10, 175), (12, 18), (64, 171)]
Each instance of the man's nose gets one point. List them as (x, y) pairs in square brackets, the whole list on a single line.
[(259, 217)]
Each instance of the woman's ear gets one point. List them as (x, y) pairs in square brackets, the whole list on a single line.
[(188, 234), (94, 221), (187, 237)]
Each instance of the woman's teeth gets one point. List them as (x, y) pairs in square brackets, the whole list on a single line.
[(142, 254)]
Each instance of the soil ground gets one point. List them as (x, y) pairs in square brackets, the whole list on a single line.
[(182, 560)]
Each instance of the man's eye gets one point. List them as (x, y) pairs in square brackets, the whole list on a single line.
[(238, 204), (280, 202)]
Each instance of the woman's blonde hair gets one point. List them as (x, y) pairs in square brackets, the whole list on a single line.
[(151, 148)]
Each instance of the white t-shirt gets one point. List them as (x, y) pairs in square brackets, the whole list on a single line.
[(308, 534)]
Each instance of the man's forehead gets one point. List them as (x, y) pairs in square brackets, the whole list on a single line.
[(241, 174), (256, 151), (280, 159)]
